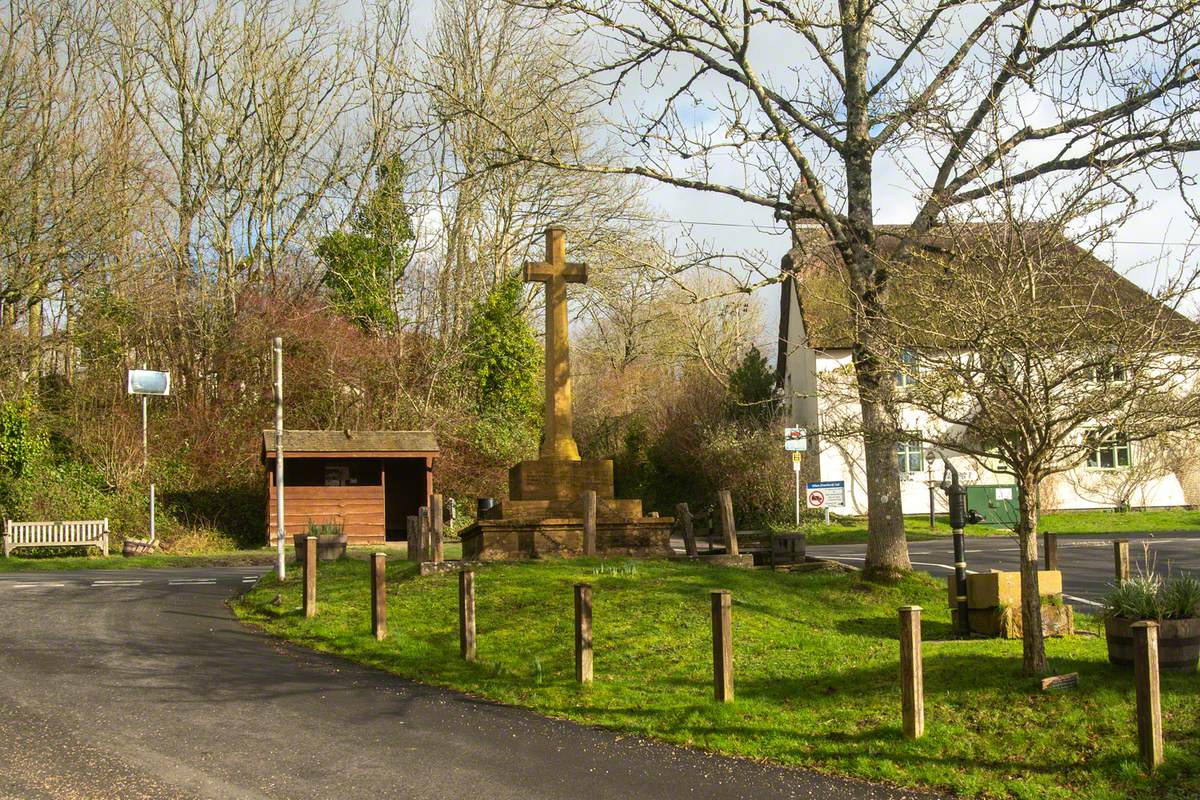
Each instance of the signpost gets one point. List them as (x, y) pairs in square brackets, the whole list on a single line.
[(795, 441), (147, 382), (825, 494)]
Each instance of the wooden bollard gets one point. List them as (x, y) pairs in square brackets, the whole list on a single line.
[(684, 515), (1051, 551), (912, 679), (466, 614), (379, 596), (310, 576), (414, 539), (588, 501), (1121, 559), (583, 633), (722, 635), (424, 536), (728, 527), (435, 530), (1145, 680)]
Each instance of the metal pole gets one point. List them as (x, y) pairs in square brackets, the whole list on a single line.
[(152, 512), (145, 453), (932, 521), (277, 352), (797, 498)]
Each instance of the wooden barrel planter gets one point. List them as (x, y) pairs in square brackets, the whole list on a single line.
[(329, 548), (1178, 643)]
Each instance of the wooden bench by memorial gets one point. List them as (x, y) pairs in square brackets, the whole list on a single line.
[(83, 533)]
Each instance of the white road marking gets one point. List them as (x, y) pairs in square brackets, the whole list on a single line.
[(1081, 600), (192, 582), (116, 583), (37, 585)]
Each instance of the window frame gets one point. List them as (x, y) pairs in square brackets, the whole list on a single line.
[(1111, 444), (908, 372), (906, 448)]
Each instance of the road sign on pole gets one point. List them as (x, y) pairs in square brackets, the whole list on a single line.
[(795, 439), (826, 494)]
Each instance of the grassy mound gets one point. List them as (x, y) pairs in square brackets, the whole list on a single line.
[(816, 672)]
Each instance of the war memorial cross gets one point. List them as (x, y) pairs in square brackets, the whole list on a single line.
[(556, 272)]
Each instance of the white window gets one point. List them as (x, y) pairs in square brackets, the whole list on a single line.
[(906, 375), (910, 458), (1109, 451), (1114, 372)]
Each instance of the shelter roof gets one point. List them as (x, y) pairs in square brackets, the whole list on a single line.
[(347, 441)]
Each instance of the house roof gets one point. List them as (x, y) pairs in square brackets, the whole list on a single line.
[(816, 274), (346, 441)]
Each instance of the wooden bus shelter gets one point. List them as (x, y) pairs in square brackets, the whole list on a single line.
[(365, 482)]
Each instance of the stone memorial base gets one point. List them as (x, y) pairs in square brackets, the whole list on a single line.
[(507, 540), (543, 516), (994, 604)]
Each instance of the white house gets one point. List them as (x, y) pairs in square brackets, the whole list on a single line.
[(815, 343)]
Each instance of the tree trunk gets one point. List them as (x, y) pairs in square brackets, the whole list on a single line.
[(1033, 644), (887, 550)]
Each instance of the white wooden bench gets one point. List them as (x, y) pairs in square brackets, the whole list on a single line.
[(56, 534)]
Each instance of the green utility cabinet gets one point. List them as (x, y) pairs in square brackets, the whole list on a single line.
[(997, 503)]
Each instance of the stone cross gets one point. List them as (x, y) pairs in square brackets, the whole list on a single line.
[(556, 272)]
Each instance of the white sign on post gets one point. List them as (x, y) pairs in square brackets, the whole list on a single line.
[(797, 460), (795, 440), (149, 381), (826, 494)]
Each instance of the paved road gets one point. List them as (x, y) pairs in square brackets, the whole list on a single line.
[(1086, 561), (140, 684)]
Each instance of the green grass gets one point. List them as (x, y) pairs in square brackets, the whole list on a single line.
[(816, 659), (853, 530)]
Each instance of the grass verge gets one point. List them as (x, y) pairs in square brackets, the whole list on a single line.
[(816, 659), (853, 530), (235, 558)]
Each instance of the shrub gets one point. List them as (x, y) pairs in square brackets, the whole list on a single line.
[(1149, 597)]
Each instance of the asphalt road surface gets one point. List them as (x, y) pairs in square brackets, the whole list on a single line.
[(140, 684), (1087, 562)]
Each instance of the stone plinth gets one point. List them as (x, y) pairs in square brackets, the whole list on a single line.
[(559, 479), (511, 539)]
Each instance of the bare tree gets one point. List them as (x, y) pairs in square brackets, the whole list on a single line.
[(826, 97)]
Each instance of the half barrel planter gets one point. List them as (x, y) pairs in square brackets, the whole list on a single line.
[(329, 548), (1178, 643)]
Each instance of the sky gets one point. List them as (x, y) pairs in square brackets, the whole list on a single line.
[(1151, 243)]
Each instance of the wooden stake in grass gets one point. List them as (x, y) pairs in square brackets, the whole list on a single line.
[(424, 535), (1145, 680), (310, 576), (722, 634), (435, 529), (1121, 559), (1051, 551), (588, 501), (466, 614), (728, 527), (912, 679), (583, 633), (684, 515), (414, 539), (379, 596)]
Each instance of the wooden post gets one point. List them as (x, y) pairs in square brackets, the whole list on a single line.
[(722, 634), (1051, 551), (583, 633), (414, 539), (727, 524), (435, 529), (379, 596), (1121, 559), (424, 535), (1145, 680), (684, 515), (310, 576), (588, 501), (466, 614), (912, 681)]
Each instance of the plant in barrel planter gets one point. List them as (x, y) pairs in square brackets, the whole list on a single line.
[(1174, 603), (331, 541)]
